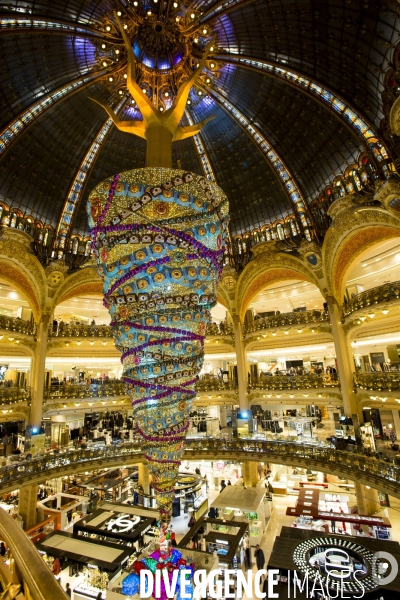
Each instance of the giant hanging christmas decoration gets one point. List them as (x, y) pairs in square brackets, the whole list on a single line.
[(158, 234)]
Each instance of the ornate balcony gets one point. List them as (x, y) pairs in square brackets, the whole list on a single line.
[(216, 385), (313, 455), (14, 395), (93, 390), (377, 295), (79, 331), (378, 381), (296, 382), (18, 325), (73, 331), (292, 319)]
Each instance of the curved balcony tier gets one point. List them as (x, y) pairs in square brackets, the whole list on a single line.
[(377, 295), (354, 466), (292, 319), (378, 381)]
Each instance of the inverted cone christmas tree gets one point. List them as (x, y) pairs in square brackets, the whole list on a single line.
[(158, 236)]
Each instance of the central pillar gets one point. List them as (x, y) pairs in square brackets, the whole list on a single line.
[(344, 359), (241, 363), (27, 505), (144, 478), (38, 371), (250, 473), (367, 499)]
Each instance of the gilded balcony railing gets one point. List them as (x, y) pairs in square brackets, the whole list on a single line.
[(72, 331), (314, 455), (219, 329), (208, 385), (378, 381), (287, 320), (377, 295), (27, 577), (18, 325), (86, 390), (288, 382), (14, 395)]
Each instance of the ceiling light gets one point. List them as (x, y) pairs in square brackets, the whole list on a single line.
[(104, 343), (204, 31), (299, 330), (385, 310), (166, 94), (371, 314), (11, 339), (119, 13), (192, 16), (149, 13), (103, 46), (125, 76), (104, 63), (135, 3), (144, 90), (111, 79), (108, 28), (196, 40), (200, 93), (189, 102), (161, 108), (120, 92), (175, 5), (125, 26), (212, 65), (286, 332), (212, 48), (117, 52), (91, 343), (208, 80)]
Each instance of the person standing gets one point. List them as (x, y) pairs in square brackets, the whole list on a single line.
[(68, 590), (260, 558)]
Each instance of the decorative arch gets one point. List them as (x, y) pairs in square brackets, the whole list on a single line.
[(86, 281), (353, 247), (14, 275), (252, 282)]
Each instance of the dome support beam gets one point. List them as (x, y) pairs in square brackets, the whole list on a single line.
[(24, 24), (222, 7), (26, 118), (341, 108), (201, 151), (286, 178), (77, 187)]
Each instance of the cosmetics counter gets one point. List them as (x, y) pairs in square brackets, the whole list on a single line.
[(190, 496), (112, 485), (246, 505), (225, 538), (69, 507), (329, 558), (332, 513), (89, 566)]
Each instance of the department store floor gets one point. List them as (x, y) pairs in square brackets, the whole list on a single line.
[(279, 518)]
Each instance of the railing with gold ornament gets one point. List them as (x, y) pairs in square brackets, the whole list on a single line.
[(313, 454), (287, 320), (27, 577), (86, 390), (14, 395), (377, 381), (18, 325), (293, 382), (366, 300), (71, 330)]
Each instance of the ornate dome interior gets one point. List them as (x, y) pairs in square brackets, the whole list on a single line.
[(301, 92)]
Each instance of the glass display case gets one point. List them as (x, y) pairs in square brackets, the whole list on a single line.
[(255, 533)]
